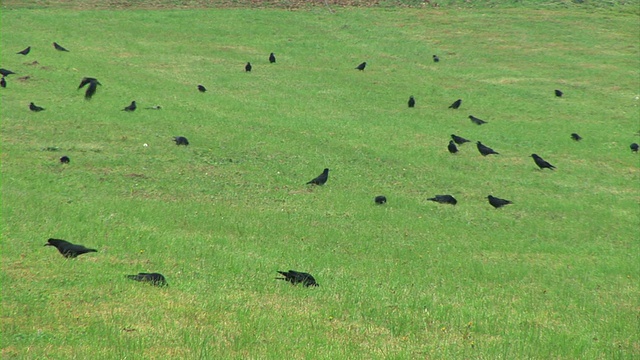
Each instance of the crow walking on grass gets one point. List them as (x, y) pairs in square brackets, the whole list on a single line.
[(444, 199), (411, 102), (3, 82), (576, 137), (381, 199), (131, 107), (296, 277), (452, 147), (247, 67), (476, 121), (272, 58), (58, 47), (558, 93), (25, 51), (485, 150), (459, 140), (68, 249), (435, 58), (35, 108), (361, 66), (542, 164), (456, 104), (155, 279), (65, 159), (634, 147), (5, 72), (320, 179), (202, 88), (181, 140), (497, 202)]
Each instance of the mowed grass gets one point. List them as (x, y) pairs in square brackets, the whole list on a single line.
[(555, 275)]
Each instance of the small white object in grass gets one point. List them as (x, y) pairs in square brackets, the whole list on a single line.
[(145, 144)]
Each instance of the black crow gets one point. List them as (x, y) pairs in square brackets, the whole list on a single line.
[(458, 139), (3, 82), (541, 162), (456, 104), (272, 58), (5, 72), (34, 107), (412, 101), (131, 107), (25, 51), (296, 277), (202, 88), (361, 66), (634, 147), (444, 199), (476, 121), (181, 140), (485, 150), (93, 86), (68, 249), (321, 179), (497, 202), (576, 137), (380, 199), (558, 93), (452, 147), (436, 58), (58, 47), (155, 279), (247, 67), (65, 159)]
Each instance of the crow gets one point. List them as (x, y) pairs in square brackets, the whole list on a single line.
[(412, 101), (131, 107), (272, 58), (155, 279), (65, 159), (68, 249), (247, 67), (576, 137), (34, 107), (436, 58), (181, 140), (456, 104), (558, 93), (452, 147), (541, 162), (58, 47), (202, 88), (497, 202), (296, 277), (458, 139), (476, 121), (361, 66), (320, 179), (93, 86), (485, 150), (5, 72), (380, 199), (3, 82), (444, 199), (634, 147), (25, 51)]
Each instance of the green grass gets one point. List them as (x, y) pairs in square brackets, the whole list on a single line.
[(555, 275)]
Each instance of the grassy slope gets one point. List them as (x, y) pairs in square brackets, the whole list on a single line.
[(555, 275)]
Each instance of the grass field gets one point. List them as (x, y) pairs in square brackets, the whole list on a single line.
[(556, 275)]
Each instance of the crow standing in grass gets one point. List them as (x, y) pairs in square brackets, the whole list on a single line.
[(497, 202), (91, 89), (558, 93), (436, 58), (181, 140), (155, 279), (296, 277), (542, 164), (452, 147), (444, 199), (34, 107), (361, 66), (634, 147), (68, 249), (456, 104), (576, 137), (5, 72), (272, 58), (381, 199), (459, 140), (65, 159), (25, 51), (320, 179), (412, 102), (58, 47), (3, 82), (485, 150), (131, 107), (247, 67), (202, 88), (476, 121)]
